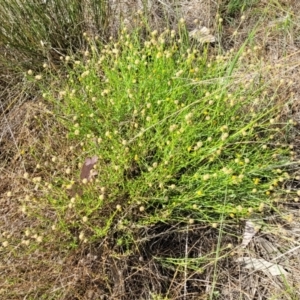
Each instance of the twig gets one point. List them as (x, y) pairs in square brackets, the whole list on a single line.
[(185, 264)]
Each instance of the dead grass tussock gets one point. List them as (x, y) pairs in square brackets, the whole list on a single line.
[(163, 14), (276, 35), (29, 268)]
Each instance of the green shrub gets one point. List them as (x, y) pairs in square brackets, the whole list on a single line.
[(178, 136)]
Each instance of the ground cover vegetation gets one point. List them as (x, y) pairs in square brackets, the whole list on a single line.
[(148, 151)]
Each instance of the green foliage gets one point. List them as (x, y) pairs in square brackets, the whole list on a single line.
[(237, 6), (176, 139)]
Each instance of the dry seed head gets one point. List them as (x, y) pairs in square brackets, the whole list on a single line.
[(23, 209), (5, 244), (154, 33), (39, 239), (188, 116), (261, 207), (173, 127), (199, 144), (177, 74), (69, 186), (81, 235), (239, 208), (38, 77), (25, 242), (68, 171), (224, 136), (206, 177)]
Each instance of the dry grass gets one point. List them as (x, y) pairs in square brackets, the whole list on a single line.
[(106, 270)]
